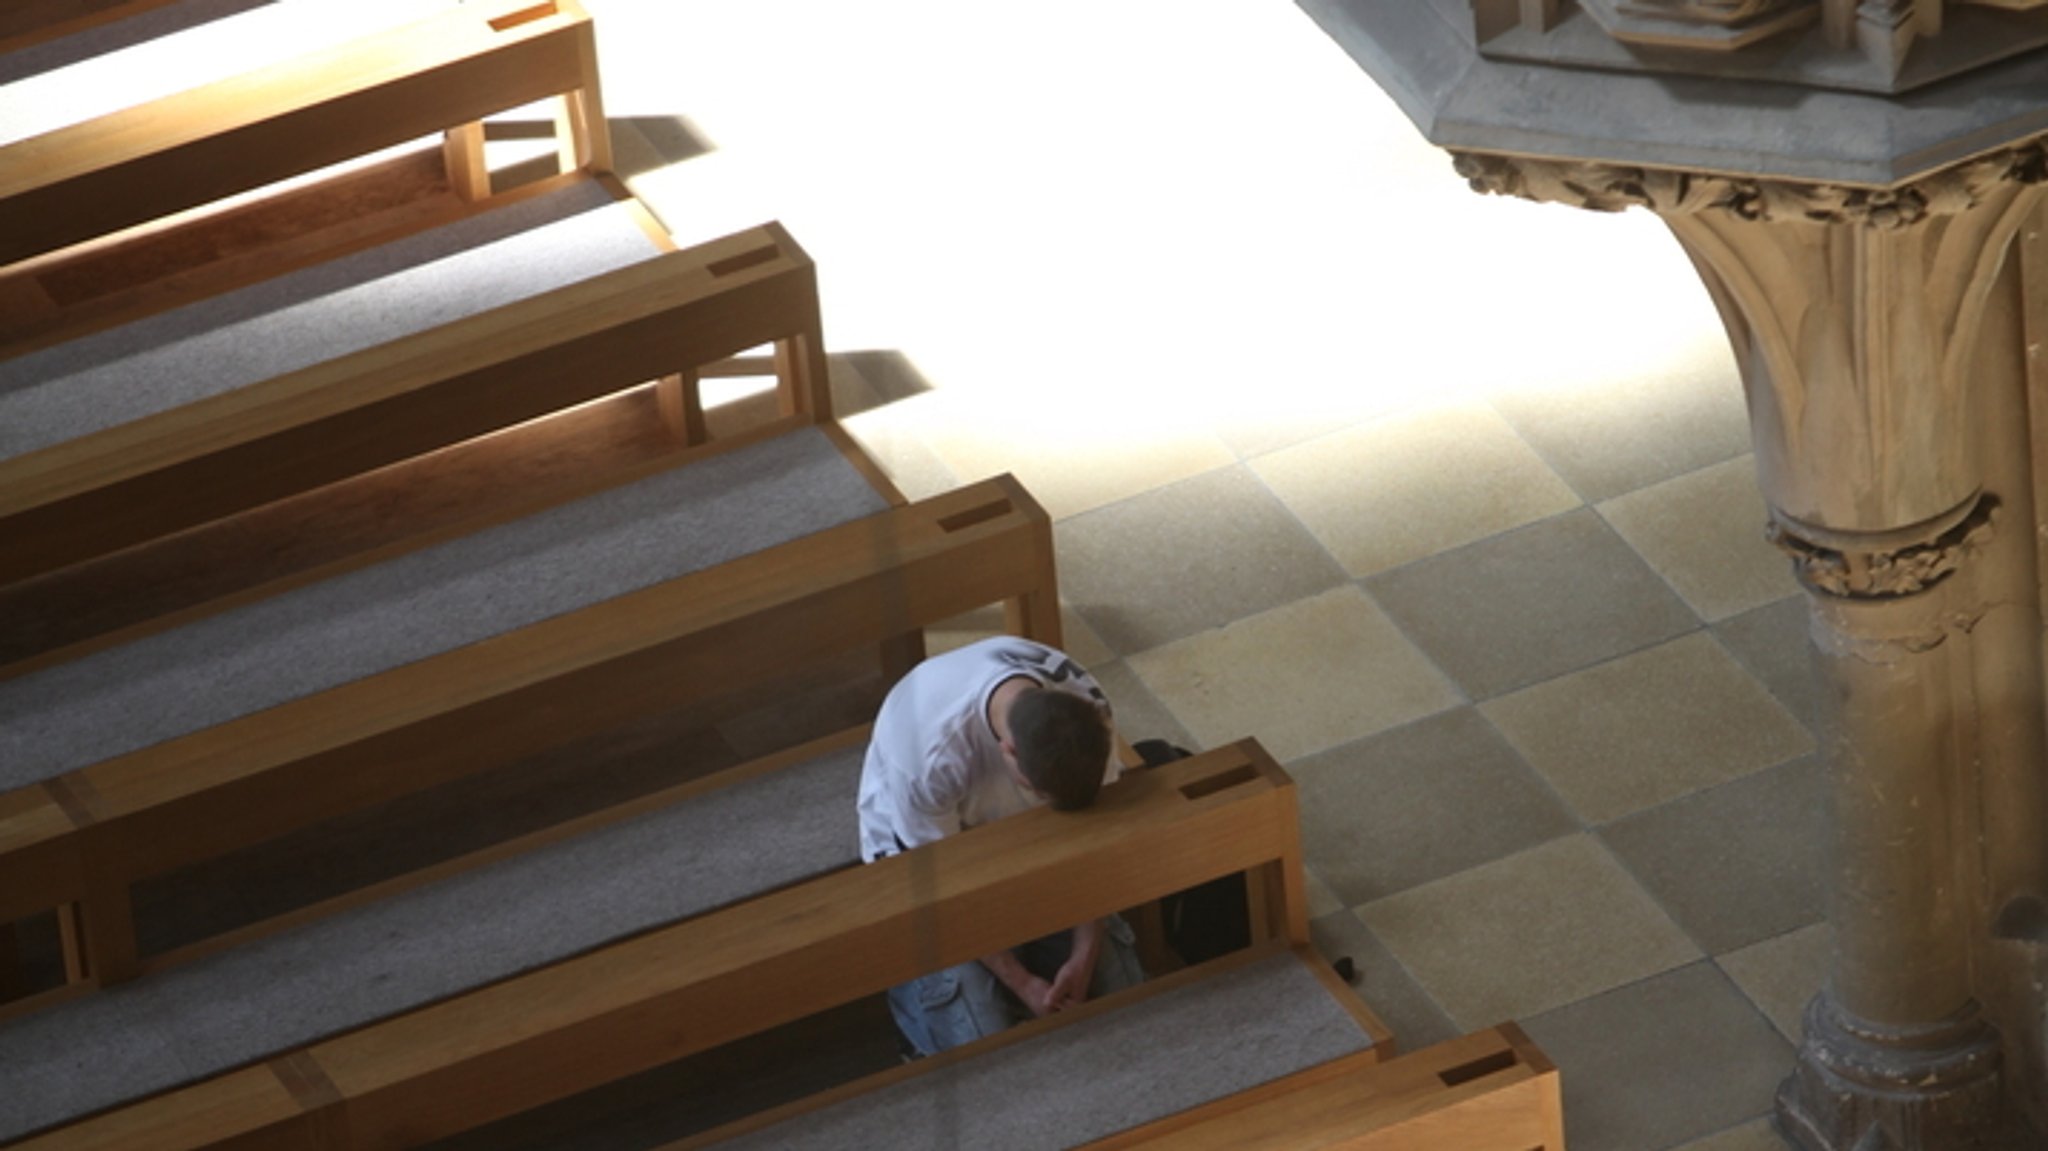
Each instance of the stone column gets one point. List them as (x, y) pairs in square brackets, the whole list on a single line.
[(1880, 336)]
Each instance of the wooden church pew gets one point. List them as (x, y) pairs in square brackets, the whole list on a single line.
[(1492, 1090), (99, 461), (65, 182), (1118, 1075), (1226, 1026), (753, 964), (193, 790)]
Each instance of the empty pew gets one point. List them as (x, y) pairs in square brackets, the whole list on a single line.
[(1252, 1052), (90, 144), (1492, 1090), (555, 295), (772, 951)]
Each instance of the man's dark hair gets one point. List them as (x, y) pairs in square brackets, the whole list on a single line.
[(1062, 745)]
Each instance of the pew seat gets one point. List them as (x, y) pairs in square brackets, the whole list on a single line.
[(1492, 1090), (1254, 1052), (476, 1055), (1070, 1080)]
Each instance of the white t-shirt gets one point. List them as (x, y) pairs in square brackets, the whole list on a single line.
[(934, 765)]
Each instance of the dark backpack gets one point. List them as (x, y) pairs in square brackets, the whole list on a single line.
[(1209, 919)]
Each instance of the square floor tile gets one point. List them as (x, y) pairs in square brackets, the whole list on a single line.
[(1525, 934), (1383, 983), (1077, 639), (1186, 557), (703, 198), (1309, 675), (1414, 484), (1420, 802), (1321, 900), (874, 377), (887, 436), (1530, 604), (1737, 863), (1755, 1135), (1614, 436), (1268, 419), (1773, 643), (632, 152), (1068, 461), (1647, 728), (1781, 976), (1661, 1062), (1704, 532), (1139, 714)]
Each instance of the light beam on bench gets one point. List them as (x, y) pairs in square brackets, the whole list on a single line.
[(203, 144)]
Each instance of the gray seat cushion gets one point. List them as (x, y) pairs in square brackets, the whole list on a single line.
[(314, 315), (326, 634), (1122, 1069), (288, 990)]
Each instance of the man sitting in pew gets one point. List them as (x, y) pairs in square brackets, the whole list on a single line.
[(989, 730)]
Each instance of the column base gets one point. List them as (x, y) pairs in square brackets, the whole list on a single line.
[(1859, 1087)]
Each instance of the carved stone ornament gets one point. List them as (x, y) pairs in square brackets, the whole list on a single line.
[(1722, 25), (1880, 46), (1891, 574), (1709, 11), (1614, 187)]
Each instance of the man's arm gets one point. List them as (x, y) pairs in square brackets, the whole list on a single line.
[(1070, 984), (1035, 993)]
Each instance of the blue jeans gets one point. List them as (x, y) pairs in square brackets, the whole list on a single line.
[(966, 1002)]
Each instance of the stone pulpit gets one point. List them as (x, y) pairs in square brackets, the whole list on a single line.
[(1860, 184)]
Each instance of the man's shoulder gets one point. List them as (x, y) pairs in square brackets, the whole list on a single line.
[(1014, 655), (965, 674), (1002, 649)]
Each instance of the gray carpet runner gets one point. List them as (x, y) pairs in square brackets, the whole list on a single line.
[(314, 315), (291, 989), (166, 50), (469, 589), (113, 36), (1119, 1070)]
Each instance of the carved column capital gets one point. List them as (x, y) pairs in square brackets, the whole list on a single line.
[(1605, 187), (1854, 312), (1883, 570)]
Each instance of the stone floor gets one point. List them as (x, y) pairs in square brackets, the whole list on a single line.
[(1446, 500)]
